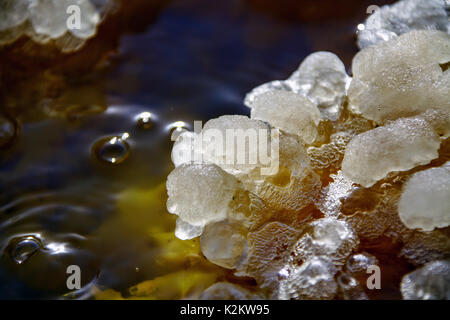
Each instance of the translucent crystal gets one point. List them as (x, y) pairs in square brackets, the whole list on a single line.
[(234, 143), (49, 17), (321, 77), (425, 201), (13, 13), (330, 238), (398, 146), (401, 17), (186, 231), (292, 153), (432, 281), (314, 279), (200, 193), (223, 243), (289, 112), (280, 85), (439, 120), (358, 264), (401, 77)]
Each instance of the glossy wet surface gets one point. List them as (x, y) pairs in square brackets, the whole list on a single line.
[(88, 190)]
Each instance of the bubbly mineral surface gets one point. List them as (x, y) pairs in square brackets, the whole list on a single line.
[(401, 77), (362, 179), (398, 146)]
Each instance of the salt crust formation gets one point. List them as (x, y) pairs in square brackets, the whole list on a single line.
[(46, 20), (404, 16), (363, 164)]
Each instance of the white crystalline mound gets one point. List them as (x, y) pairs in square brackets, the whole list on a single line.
[(397, 146), (401, 17), (233, 142), (330, 238), (401, 77), (186, 231), (49, 17), (289, 112), (314, 279), (200, 193), (321, 77), (44, 20), (425, 200), (431, 282), (223, 243), (439, 120)]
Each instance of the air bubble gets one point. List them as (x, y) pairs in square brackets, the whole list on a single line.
[(20, 249), (145, 120), (113, 150), (176, 128)]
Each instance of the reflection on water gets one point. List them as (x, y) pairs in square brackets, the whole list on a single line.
[(87, 189)]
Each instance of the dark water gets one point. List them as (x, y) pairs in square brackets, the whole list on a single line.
[(62, 200)]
